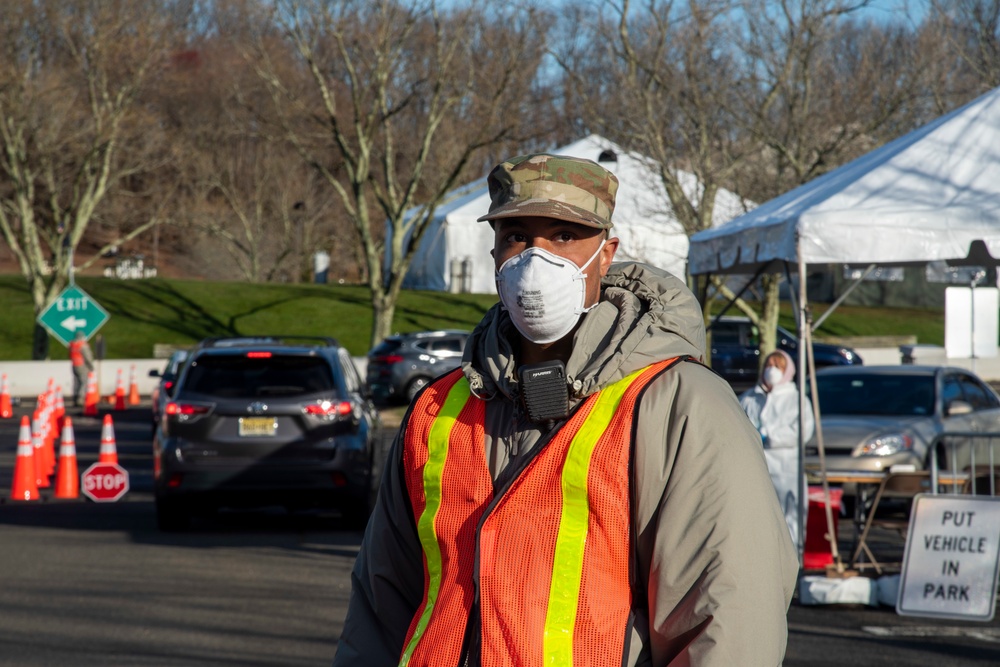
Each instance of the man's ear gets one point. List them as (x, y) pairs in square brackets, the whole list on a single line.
[(608, 254)]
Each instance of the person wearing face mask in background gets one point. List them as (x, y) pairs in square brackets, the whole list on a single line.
[(772, 405), (583, 491)]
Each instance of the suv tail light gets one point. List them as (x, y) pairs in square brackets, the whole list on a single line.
[(329, 409), (185, 409), (388, 359)]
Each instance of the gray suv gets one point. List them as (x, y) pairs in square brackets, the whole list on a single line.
[(275, 420), (401, 365)]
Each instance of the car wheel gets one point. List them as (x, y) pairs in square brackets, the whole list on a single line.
[(171, 516), (412, 389)]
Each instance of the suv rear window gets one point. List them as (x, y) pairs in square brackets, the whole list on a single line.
[(229, 376), (388, 346)]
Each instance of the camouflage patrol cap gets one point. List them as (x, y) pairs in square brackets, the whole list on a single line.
[(552, 186)]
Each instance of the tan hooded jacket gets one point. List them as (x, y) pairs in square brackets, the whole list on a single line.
[(711, 541)]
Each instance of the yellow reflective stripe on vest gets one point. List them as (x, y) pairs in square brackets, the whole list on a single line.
[(567, 567), (437, 453)]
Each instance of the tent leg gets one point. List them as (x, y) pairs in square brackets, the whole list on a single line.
[(806, 348)]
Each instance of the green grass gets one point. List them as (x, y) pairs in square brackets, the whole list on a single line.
[(181, 312), (927, 324)]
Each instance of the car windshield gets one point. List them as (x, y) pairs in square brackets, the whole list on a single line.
[(890, 395), (229, 376)]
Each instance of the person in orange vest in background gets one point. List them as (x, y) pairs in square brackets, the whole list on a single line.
[(583, 490), (82, 360)]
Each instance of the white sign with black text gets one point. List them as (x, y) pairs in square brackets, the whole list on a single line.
[(951, 560)]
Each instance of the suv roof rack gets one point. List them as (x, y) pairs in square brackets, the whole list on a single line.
[(282, 340)]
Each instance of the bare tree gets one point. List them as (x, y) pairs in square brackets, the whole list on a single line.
[(70, 75), (972, 31), (406, 99), (758, 96), (819, 87), (658, 78)]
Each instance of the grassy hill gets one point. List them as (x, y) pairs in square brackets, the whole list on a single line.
[(181, 312)]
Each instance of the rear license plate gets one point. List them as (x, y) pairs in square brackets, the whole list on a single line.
[(258, 426)]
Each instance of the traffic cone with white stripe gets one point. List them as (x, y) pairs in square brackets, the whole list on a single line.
[(133, 388), (109, 449), (38, 445), (24, 486), (6, 410), (92, 397), (68, 481), (60, 407), (120, 393), (49, 435)]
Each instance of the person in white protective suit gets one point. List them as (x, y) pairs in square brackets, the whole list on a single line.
[(773, 407)]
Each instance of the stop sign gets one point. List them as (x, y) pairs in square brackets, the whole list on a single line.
[(104, 482)]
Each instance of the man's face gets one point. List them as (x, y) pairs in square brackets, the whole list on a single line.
[(573, 241)]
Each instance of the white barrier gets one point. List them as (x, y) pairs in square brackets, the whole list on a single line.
[(30, 378)]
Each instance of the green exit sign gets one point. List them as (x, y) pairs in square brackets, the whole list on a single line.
[(72, 311)]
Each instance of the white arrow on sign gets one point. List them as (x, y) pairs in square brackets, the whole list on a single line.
[(72, 324)]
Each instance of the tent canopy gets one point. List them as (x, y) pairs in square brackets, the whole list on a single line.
[(933, 194), (454, 252)]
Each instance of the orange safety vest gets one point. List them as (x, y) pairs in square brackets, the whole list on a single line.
[(547, 558), (76, 352)]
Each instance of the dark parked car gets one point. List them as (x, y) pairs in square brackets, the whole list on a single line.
[(165, 387), (401, 365), (736, 357), (266, 421)]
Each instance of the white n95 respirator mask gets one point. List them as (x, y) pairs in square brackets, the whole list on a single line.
[(772, 376), (543, 292)]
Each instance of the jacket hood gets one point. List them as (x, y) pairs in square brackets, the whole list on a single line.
[(645, 315)]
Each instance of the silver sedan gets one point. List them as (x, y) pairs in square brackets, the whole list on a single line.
[(876, 417)]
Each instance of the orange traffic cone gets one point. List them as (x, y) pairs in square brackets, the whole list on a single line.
[(92, 397), (55, 430), (24, 486), (60, 407), (68, 481), (109, 451), (38, 445), (133, 388), (6, 411), (120, 393), (49, 434)]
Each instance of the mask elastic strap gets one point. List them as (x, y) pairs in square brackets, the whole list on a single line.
[(583, 275), (592, 258)]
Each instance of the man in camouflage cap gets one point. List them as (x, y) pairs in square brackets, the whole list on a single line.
[(579, 492)]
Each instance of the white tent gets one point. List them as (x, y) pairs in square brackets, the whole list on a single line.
[(454, 253), (925, 196), (933, 194)]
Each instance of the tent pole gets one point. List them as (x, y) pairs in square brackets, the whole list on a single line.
[(806, 348), (800, 324), (800, 364)]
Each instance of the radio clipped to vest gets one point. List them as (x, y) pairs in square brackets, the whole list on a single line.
[(544, 390)]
